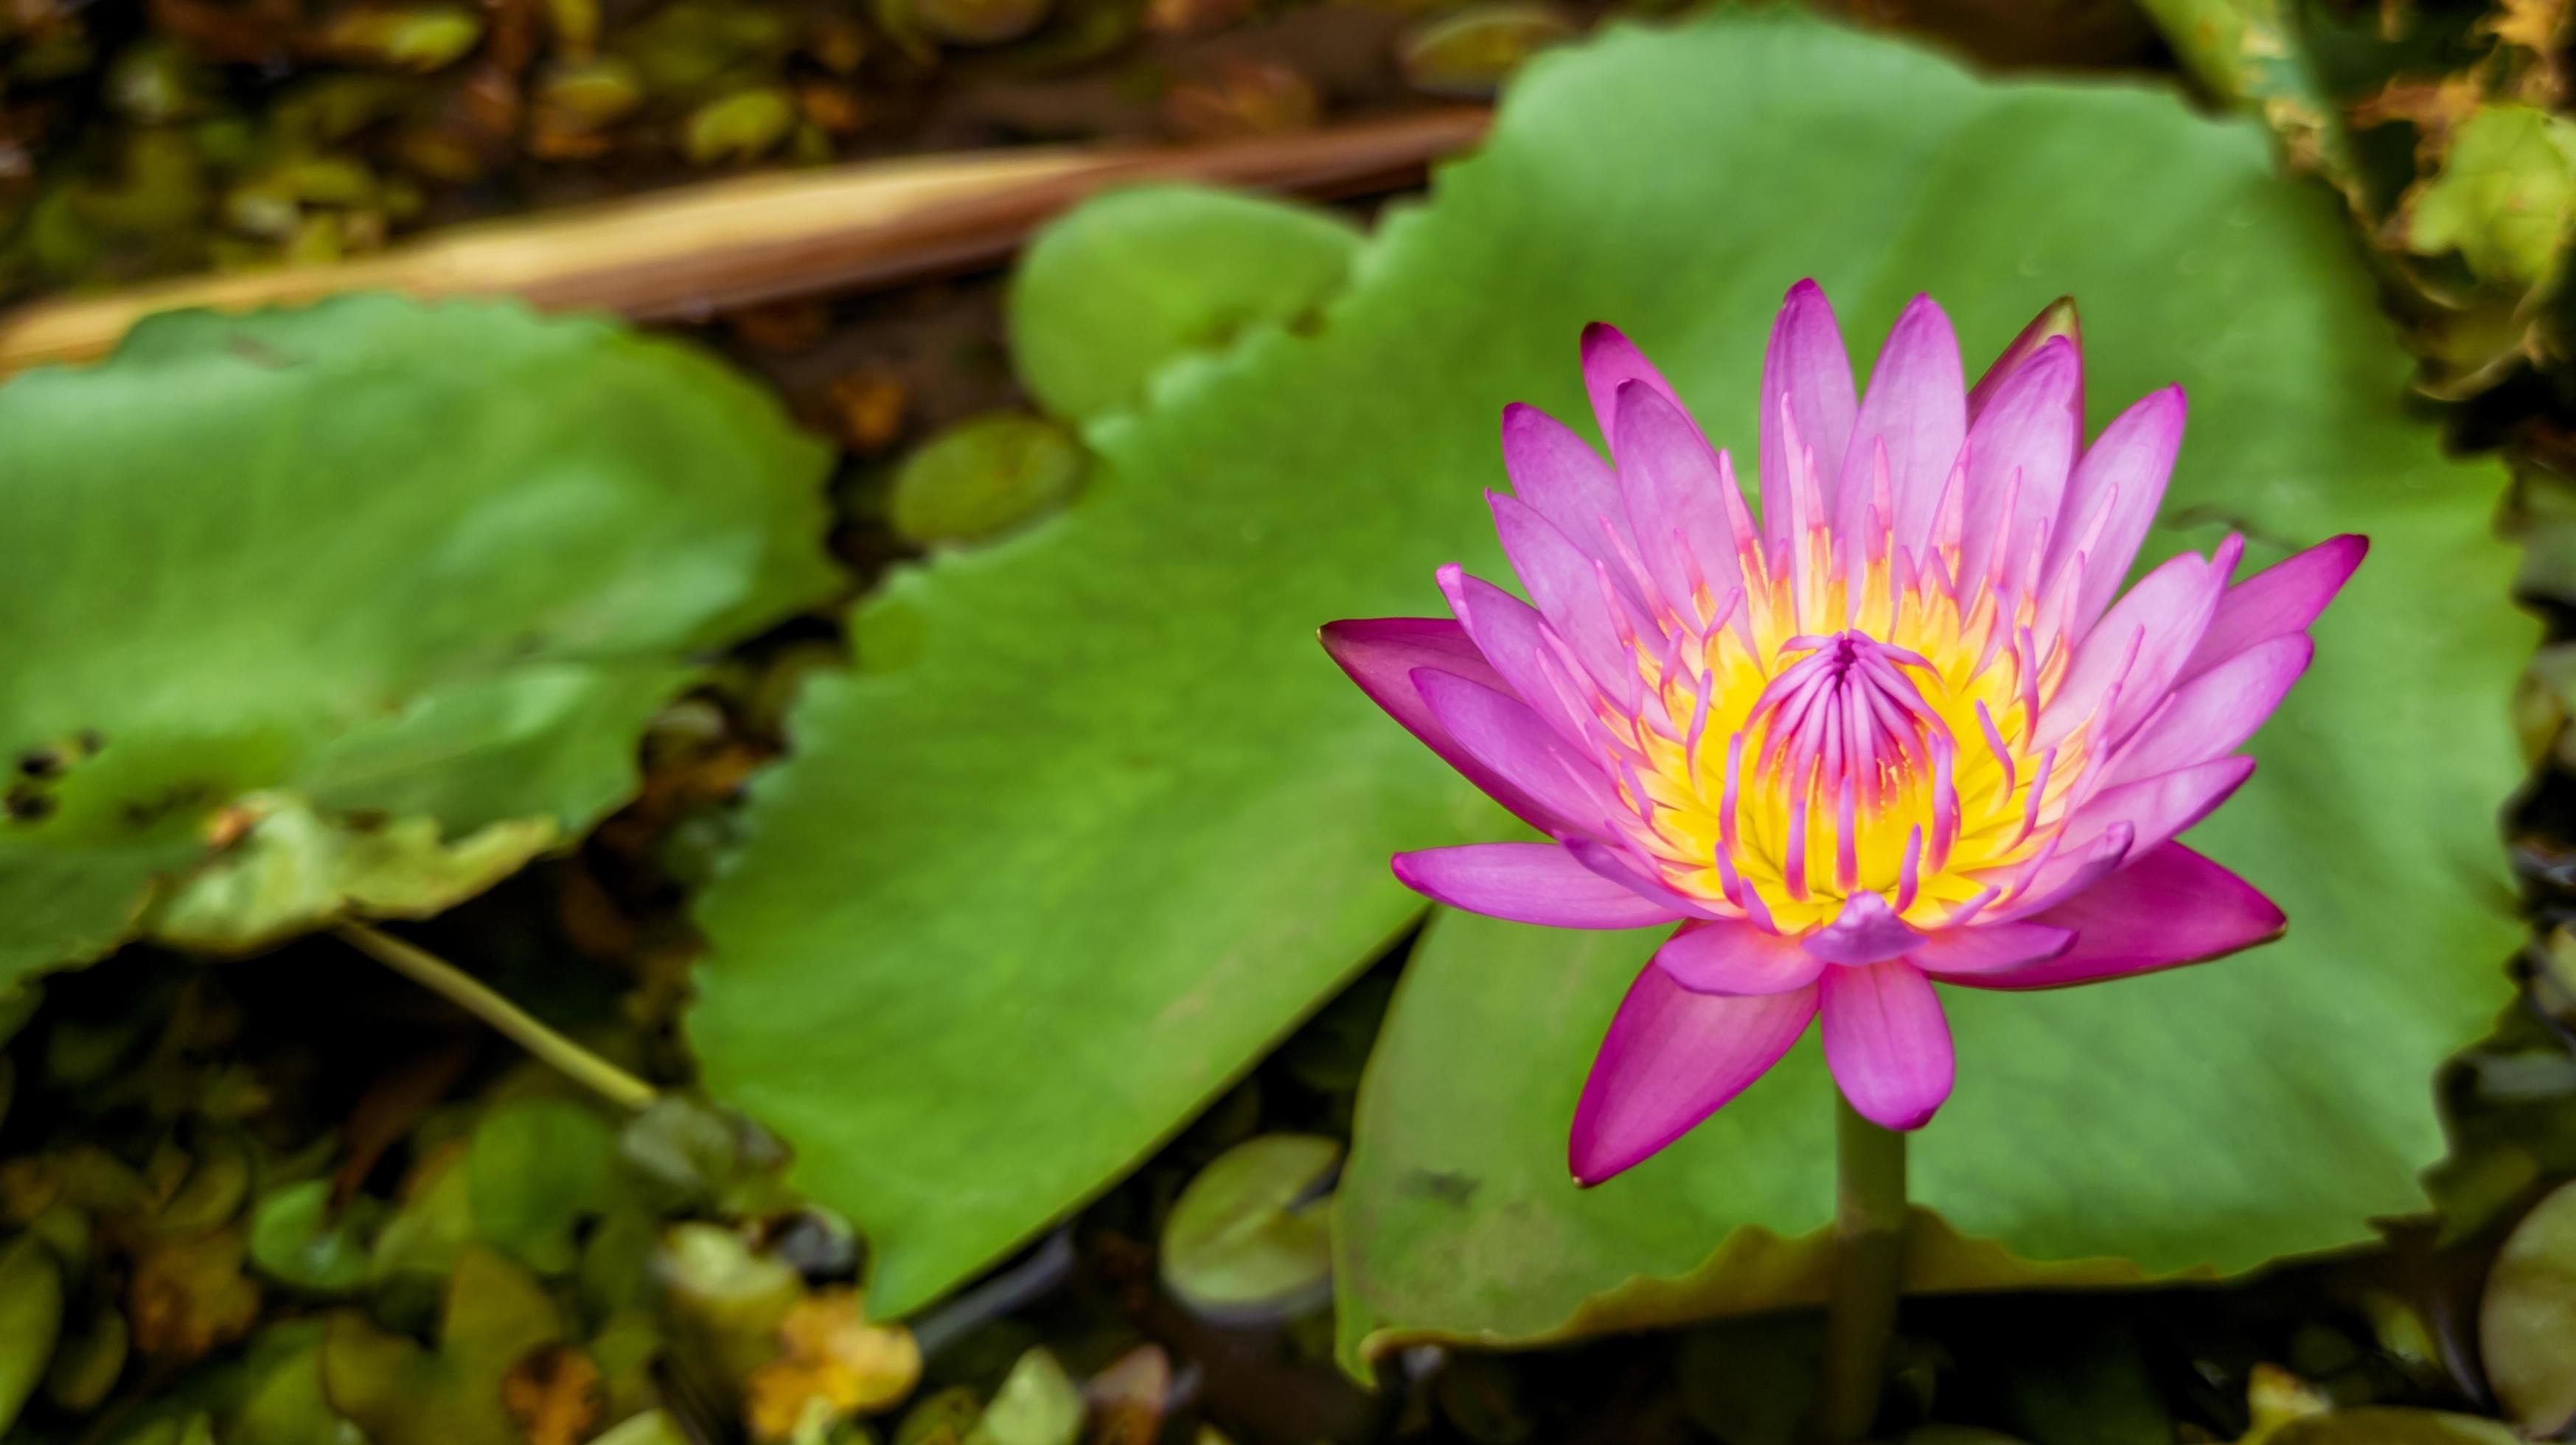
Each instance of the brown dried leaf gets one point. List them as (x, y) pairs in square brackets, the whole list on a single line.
[(189, 1296), (554, 1395), (833, 1361)]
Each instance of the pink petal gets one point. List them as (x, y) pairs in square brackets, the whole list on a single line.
[(2157, 808), (2056, 321), (1807, 368), (2123, 474), (1672, 1058), (1526, 883), (1619, 868), (2174, 615), (1990, 948), (1499, 731), (2281, 599), (2214, 713), (1917, 409), (1887, 1042), (1671, 482), (1866, 930), (1735, 957), (1561, 478), (1567, 587), (2065, 873), (1381, 654), (2170, 907), (2136, 650), (1611, 361), (1517, 644), (2020, 451)]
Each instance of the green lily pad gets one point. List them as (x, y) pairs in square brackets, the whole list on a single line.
[(536, 1168), (1251, 1236), (2504, 198), (31, 1317), (401, 1393), (300, 1236), (2135, 1121), (1037, 1404), (983, 477), (1117, 290), (356, 608), (2389, 1425), (1118, 823), (2527, 1318)]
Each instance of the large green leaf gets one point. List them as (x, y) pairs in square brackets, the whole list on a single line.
[(357, 607), (1103, 821), (2201, 1121)]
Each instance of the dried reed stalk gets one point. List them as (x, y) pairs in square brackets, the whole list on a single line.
[(701, 249)]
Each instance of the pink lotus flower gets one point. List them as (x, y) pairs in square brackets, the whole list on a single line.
[(1894, 732)]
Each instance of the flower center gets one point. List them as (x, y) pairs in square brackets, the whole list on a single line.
[(1784, 769)]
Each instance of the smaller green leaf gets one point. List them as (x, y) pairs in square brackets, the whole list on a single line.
[(536, 1168), (2503, 199), (432, 1224), (86, 1367), (2527, 1319), (1038, 1404), (653, 1427), (1471, 53), (298, 1238), (401, 1394), (940, 1416), (212, 1192), (978, 22), (1252, 1234), (294, 870), (18, 1003), (31, 1315), (2383, 1425), (985, 476), (743, 126), (405, 629), (727, 1297), (1131, 280), (284, 1404)]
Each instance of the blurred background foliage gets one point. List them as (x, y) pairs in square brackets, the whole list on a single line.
[(294, 1198)]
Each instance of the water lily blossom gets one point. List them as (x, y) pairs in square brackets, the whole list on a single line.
[(1900, 728)]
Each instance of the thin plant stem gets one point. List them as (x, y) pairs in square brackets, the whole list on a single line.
[(506, 1018), (1869, 1271)]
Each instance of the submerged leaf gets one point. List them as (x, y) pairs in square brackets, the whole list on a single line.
[(1037, 1404), (536, 1168), (984, 476), (2527, 1318), (399, 1393), (1251, 1236), (2387, 1425), (31, 1315), (1136, 279), (301, 1236)]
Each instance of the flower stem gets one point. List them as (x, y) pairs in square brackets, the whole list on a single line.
[(1869, 1270), (508, 1019)]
